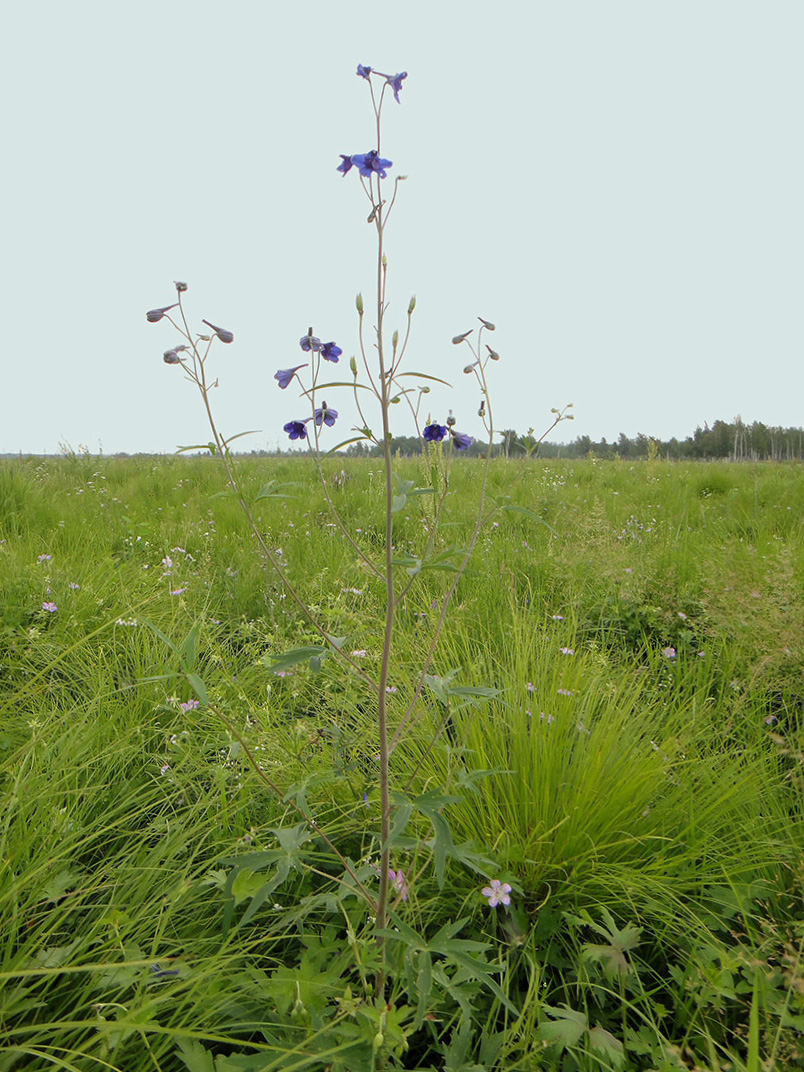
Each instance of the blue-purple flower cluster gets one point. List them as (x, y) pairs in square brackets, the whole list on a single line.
[(371, 163), (323, 414), (435, 432)]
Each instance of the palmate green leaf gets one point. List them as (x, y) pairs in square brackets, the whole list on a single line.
[(612, 954), (195, 1057), (565, 1029), (604, 1042)]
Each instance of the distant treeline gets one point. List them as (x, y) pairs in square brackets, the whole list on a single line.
[(728, 440), (735, 441)]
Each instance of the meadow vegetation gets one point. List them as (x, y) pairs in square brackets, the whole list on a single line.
[(627, 749)]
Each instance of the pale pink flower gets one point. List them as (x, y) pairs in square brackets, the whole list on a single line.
[(498, 893)]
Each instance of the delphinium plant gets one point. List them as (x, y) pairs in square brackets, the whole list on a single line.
[(411, 974)]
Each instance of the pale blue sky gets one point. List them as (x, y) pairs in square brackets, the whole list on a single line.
[(616, 183)]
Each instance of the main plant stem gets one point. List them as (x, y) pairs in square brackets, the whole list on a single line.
[(382, 714)]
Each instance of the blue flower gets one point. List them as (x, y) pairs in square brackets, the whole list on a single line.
[(461, 441), (284, 376), (346, 164), (325, 414), (434, 433), (396, 83), (309, 342), (296, 429), (364, 72), (371, 163), (331, 352)]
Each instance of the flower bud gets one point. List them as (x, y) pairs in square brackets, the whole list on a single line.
[(482, 411), (180, 287), (395, 339), (492, 353), (153, 316), (486, 324), (359, 303), (458, 339), (424, 390), (411, 304), (170, 357), (469, 368), (222, 333), (353, 365), (451, 422)]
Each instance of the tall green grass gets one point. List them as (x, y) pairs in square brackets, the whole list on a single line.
[(662, 788)]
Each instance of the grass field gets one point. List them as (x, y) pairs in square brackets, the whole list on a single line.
[(636, 772)]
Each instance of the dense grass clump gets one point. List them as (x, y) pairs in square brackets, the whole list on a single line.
[(636, 770)]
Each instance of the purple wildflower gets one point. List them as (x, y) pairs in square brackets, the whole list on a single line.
[(396, 83), (309, 342), (461, 440), (296, 429), (345, 164), (364, 72), (371, 163), (222, 333), (284, 376), (153, 316), (171, 357), (325, 414), (331, 352), (669, 653), (190, 705), (51, 608), (435, 432), (44, 558), (567, 651), (497, 892)]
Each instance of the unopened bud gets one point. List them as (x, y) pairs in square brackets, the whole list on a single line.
[(222, 333), (353, 365), (153, 316), (180, 287), (359, 303), (451, 422), (487, 324), (395, 400), (469, 368), (384, 261), (424, 390), (482, 409), (492, 353), (411, 304), (170, 357), (395, 339), (459, 338)]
